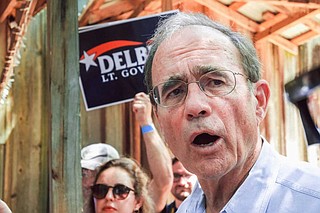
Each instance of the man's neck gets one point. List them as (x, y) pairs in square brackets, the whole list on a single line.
[(218, 192), (178, 202)]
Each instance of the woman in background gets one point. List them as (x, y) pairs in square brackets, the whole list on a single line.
[(121, 186)]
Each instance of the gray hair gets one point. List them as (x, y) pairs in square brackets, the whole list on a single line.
[(169, 26)]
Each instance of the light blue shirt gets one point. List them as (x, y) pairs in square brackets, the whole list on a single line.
[(275, 184)]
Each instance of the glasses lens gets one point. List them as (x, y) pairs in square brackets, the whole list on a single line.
[(176, 177), (170, 93), (217, 83), (99, 191), (214, 83), (120, 191)]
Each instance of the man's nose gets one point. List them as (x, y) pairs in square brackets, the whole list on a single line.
[(196, 102)]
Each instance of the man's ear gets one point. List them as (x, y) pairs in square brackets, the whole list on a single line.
[(262, 94)]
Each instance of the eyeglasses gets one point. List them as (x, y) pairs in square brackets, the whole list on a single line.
[(119, 191), (177, 176), (214, 83)]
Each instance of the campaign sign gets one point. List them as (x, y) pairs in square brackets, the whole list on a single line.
[(112, 58)]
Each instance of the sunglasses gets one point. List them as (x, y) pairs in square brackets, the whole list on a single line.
[(119, 191)]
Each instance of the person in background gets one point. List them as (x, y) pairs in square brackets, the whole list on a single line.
[(122, 186), (93, 156), (4, 207), (209, 100), (182, 186), (158, 156)]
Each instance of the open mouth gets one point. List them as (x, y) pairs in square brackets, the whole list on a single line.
[(205, 139)]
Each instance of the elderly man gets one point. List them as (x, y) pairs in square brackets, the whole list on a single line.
[(209, 98)]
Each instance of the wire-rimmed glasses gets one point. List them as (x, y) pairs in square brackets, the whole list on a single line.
[(213, 83)]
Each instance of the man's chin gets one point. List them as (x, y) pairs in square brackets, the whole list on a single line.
[(182, 196)]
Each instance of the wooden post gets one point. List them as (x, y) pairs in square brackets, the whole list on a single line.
[(64, 103)]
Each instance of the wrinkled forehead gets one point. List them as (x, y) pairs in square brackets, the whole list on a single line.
[(191, 35), (190, 48)]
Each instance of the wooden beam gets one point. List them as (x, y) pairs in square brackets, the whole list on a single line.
[(314, 26), (6, 8), (284, 25), (271, 22), (286, 3), (312, 33), (230, 14), (284, 43), (267, 15), (98, 14), (16, 33), (140, 8), (303, 38), (236, 5), (85, 15), (64, 107), (41, 4)]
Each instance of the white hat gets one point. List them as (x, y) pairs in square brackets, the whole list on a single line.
[(96, 154)]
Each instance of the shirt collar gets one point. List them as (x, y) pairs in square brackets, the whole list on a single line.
[(256, 189)]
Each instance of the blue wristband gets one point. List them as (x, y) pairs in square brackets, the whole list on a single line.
[(146, 129)]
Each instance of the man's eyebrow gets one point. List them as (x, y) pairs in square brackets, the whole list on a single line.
[(208, 68), (202, 69), (178, 77)]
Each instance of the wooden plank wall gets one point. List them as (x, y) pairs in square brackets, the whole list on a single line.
[(24, 183), (113, 125), (283, 126), (25, 163)]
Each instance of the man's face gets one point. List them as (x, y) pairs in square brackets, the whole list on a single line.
[(183, 181), (211, 136), (88, 177)]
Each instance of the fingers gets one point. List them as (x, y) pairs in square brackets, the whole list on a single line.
[(142, 108), (141, 96)]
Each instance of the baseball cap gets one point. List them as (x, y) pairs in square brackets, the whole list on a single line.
[(96, 154)]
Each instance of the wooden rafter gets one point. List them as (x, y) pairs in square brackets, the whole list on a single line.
[(312, 33), (236, 5), (140, 8), (230, 14), (284, 43), (288, 3), (91, 6), (315, 26), (18, 27), (7, 8), (303, 38), (271, 22), (285, 24), (96, 12)]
